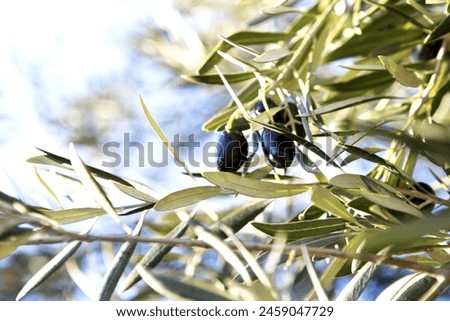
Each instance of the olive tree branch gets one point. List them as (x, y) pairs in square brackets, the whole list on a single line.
[(57, 236)]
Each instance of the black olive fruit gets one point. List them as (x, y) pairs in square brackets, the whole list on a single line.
[(232, 150), (278, 148), (287, 116), (422, 188), (259, 106), (429, 50)]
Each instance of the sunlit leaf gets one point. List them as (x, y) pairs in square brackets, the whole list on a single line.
[(155, 255), (400, 73), (253, 187), (325, 200), (213, 79), (302, 229), (62, 162), (184, 287), (348, 103), (404, 12), (187, 197), (94, 187), (135, 193), (224, 250), (279, 10), (238, 218), (408, 288), (72, 215), (118, 265), (358, 283), (272, 55), (408, 236), (336, 264), (363, 82), (242, 38), (49, 268), (392, 203), (440, 30), (9, 244), (163, 136)]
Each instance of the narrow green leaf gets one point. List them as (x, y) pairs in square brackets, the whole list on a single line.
[(408, 288), (93, 187), (187, 197), (336, 265), (348, 103), (224, 250), (238, 218), (440, 30), (163, 136), (407, 236), (302, 229), (363, 67), (400, 73), (135, 193), (12, 242), (118, 265), (49, 268), (366, 44), (218, 121), (281, 10), (155, 255), (371, 150), (376, 186), (185, 287), (364, 154), (364, 82), (325, 200), (312, 212), (72, 215), (242, 38), (353, 290), (46, 186), (392, 203), (214, 79), (399, 11), (272, 55), (62, 162), (253, 187)]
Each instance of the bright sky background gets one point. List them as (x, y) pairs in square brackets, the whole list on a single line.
[(65, 44)]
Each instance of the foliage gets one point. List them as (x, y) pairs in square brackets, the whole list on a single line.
[(352, 70)]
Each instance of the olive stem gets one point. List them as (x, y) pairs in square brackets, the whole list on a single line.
[(316, 251), (233, 117)]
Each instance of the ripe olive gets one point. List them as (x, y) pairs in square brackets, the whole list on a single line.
[(232, 150), (429, 50), (278, 148), (259, 106), (287, 116)]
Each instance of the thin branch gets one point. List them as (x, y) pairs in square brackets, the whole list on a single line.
[(64, 236)]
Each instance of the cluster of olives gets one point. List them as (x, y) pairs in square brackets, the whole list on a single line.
[(279, 150), (232, 151)]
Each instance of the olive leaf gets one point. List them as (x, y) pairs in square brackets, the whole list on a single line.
[(400, 73), (253, 187)]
